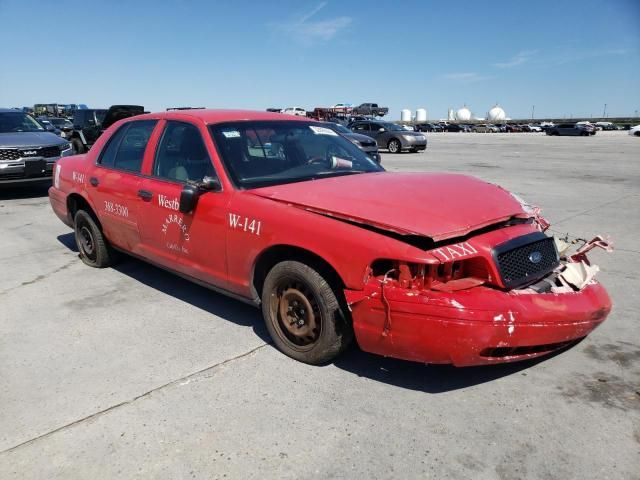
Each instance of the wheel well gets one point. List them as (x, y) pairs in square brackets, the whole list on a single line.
[(77, 202), (279, 253)]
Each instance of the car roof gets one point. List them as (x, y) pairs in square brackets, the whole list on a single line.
[(219, 116), (10, 110)]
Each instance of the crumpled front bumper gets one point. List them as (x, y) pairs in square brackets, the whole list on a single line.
[(478, 326)]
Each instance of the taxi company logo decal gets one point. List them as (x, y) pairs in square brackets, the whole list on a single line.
[(178, 222)]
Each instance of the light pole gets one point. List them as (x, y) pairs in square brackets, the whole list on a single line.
[(533, 109), (604, 112)]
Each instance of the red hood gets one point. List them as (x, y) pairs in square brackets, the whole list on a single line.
[(438, 206)]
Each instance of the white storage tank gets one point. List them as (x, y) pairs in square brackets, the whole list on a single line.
[(463, 114), (496, 114), (405, 115), (421, 115)]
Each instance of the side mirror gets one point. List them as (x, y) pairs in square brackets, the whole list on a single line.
[(210, 184), (188, 198)]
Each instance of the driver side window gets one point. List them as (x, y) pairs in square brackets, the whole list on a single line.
[(182, 154)]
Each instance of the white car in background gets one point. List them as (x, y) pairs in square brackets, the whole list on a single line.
[(534, 128), (343, 107), (635, 131), (301, 112)]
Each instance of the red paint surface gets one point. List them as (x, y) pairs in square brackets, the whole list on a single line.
[(423, 325)]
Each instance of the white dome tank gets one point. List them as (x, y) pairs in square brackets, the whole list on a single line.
[(421, 115), (405, 115), (496, 114), (463, 114)]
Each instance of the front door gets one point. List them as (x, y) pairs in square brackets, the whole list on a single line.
[(192, 243), (114, 181)]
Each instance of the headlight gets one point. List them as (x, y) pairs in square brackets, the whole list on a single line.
[(409, 138), (65, 146), (355, 142)]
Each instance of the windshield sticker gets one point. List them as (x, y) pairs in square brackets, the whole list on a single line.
[(231, 133), (322, 131)]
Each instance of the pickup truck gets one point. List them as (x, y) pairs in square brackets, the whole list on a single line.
[(370, 109)]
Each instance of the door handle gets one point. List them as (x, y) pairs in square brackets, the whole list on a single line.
[(94, 181), (145, 195)]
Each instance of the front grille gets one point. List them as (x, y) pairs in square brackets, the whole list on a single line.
[(526, 259), (23, 152), (49, 152), (9, 154)]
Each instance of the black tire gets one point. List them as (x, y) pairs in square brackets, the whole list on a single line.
[(78, 146), (303, 315), (394, 146), (93, 248), (636, 134)]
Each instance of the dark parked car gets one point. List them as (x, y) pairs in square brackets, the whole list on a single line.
[(89, 124), (27, 151), (64, 126), (363, 142), (391, 136), (512, 128), (454, 127), (571, 129), (428, 127)]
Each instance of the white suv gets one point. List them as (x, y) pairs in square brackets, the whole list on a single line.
[(295, 111)]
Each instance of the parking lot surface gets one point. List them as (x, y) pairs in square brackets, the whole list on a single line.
[(131, 372)]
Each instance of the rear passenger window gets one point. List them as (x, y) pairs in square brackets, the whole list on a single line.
[(126, 147), (182, 155)]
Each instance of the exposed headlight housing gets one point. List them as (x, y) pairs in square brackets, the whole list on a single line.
[(65, 146)]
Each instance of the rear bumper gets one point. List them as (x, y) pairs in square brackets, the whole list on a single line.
[(478, 326), (58, 201)]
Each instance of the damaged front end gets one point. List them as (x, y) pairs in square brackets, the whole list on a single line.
[(503, 295)]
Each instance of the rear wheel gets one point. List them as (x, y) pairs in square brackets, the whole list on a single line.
[(637, 134), (78, 146), (394, 146), (93, 247), (303, 315)]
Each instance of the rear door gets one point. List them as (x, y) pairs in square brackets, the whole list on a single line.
[(114, 182), (192, 243)]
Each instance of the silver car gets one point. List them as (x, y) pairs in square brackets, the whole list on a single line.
[(391, 136), (28, 153)]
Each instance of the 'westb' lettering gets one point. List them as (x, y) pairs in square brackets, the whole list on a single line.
[(171, 204)]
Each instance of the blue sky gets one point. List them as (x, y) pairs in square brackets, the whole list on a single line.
[(564, 57)]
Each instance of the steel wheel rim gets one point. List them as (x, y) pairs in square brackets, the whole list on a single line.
[(87, 242), (297, 315)]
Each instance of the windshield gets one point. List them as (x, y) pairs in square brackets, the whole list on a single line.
[(263, 153), (18, 122), (392, 127)]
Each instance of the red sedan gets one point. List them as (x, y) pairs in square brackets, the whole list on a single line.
[(288, 215)]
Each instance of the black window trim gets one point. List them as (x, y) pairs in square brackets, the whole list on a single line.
[(155, 156), (106, 145)]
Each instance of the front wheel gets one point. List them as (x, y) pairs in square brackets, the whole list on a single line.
[(92, 245), (303, 315), (394, 146)]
